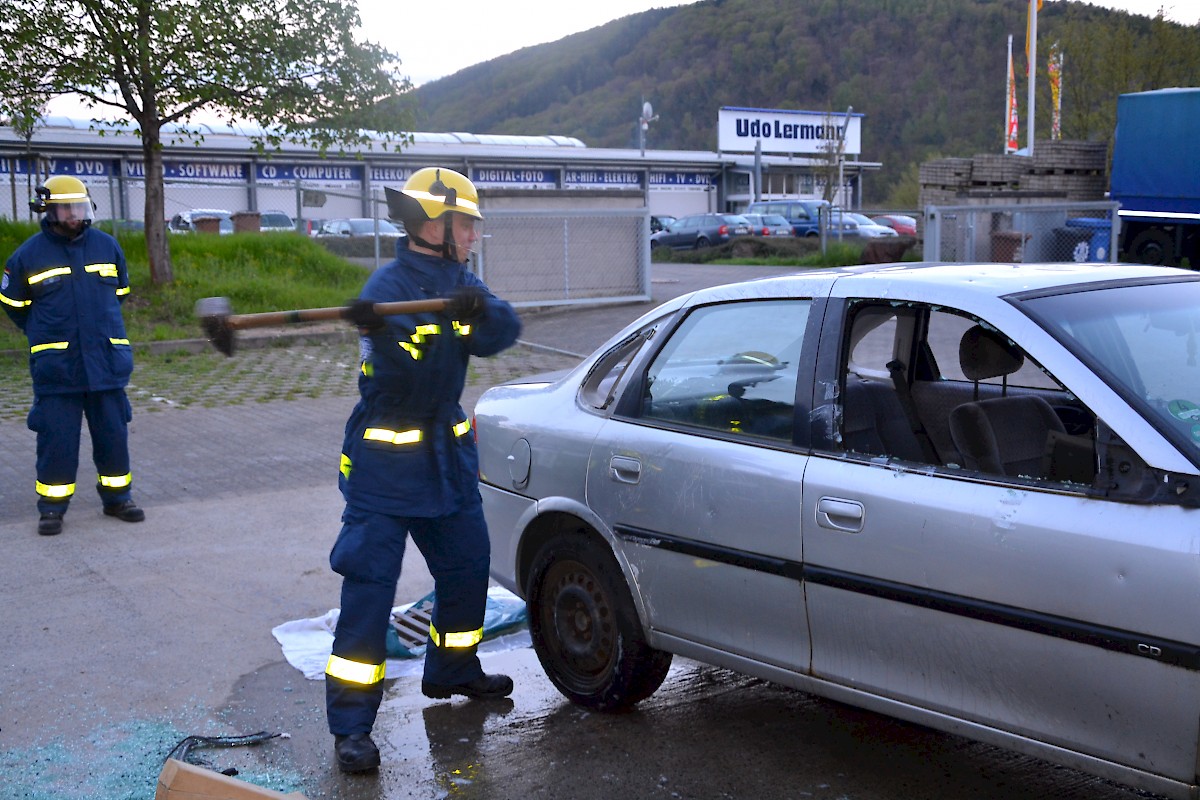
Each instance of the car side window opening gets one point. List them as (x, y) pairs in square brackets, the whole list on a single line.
[(598, 389), (731, 368), (938, 387)]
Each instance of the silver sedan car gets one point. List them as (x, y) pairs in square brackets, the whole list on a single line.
[(963, 495)]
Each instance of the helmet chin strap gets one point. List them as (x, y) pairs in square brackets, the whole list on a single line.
[(448, 245), (447, 248)]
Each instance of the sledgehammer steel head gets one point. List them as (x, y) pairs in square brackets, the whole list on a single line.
[(214, 314)]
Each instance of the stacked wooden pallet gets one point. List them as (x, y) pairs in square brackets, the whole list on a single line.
[(1075, 169), (1062, 170)]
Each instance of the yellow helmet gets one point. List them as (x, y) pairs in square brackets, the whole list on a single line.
[(60, 194), (430, 193)]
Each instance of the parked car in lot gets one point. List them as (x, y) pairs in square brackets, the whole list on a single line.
[(185, 221), (700, 230), (360, 226), (768, 225), (863, 226), (276, 221), (901, 223), (963, 495), (804, 215)]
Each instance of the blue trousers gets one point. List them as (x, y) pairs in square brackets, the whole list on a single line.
[(57, 419), (367, 555)]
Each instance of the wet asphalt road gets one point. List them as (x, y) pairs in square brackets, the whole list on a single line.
[(121, 638)]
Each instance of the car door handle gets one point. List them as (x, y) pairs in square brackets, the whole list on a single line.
[(625, 469), (840, 515)]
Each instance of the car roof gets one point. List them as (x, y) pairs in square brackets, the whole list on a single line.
[(942, 279)]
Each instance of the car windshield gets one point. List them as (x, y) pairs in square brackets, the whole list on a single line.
[(1145, 339)]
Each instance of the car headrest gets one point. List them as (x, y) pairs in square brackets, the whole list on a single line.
[(984, 354)]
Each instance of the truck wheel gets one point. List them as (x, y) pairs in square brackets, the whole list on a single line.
[(585, 629), (1152, 246)]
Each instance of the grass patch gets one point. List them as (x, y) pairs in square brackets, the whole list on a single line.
[(256, 272)]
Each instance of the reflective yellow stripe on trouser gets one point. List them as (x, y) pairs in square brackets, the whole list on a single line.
[(354, 671), (115, 481), (55, 491), (464, 639)]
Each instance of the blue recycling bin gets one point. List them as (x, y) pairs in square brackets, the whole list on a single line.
[(1099, 241)]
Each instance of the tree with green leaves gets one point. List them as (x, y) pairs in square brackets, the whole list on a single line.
[(292, 67)]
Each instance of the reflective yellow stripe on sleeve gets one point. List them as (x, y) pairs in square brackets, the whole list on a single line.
[(345, 466), (58, 491), (354, 671), (37, 348), (462, 428), (464, 639), (122, 291), (115, 481), (8, 301)]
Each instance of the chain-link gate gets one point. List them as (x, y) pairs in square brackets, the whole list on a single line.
[(1022, 233), (539, 258)]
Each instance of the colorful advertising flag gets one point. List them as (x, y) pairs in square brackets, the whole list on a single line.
[(1054, 70), (1010, 121)]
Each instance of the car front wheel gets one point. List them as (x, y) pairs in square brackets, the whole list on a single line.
[(585, 629)]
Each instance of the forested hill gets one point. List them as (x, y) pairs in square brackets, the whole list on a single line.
[(928, 74)]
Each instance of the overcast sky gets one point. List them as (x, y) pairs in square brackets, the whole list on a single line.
[(433, 40)]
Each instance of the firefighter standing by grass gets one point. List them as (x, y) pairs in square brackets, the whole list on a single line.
[(409, 463), (63, 287)]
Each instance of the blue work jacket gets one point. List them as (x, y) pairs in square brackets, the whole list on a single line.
[(409, 450), (66, 295)]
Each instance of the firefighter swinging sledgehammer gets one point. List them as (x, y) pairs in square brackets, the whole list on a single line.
[(409, 464)]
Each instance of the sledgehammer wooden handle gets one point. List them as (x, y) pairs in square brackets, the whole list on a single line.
[(268, 319)]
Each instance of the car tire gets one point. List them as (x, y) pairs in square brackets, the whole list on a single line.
[(1153, 246), (702, 242), (585, 629)]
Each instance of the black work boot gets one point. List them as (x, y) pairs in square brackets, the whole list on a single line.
[(356, 752), (485, 687), (50, 523), (126, 512)]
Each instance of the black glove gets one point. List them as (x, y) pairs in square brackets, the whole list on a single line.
[(362, 313), (466, 303)]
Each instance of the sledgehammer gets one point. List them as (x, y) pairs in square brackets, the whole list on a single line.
[(219, 322)]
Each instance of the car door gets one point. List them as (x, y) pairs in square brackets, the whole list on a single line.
[(700, 479), (1025, 605), (679, 232)]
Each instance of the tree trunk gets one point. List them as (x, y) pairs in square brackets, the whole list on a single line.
[(156, 224)]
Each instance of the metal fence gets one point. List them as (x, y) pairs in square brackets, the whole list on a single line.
[(543, 258), (1022, 233), (531, 258)]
